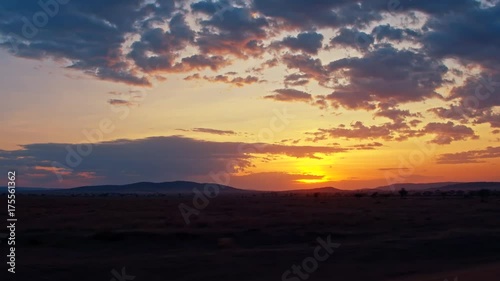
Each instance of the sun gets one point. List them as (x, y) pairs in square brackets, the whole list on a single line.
[(311, 181), (313, 170)]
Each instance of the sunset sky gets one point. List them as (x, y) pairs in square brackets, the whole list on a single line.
[(262, 94)]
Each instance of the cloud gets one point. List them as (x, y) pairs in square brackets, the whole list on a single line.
[(392, 33), (134, 41), (289, 95), (474, 101), (156, 49), (449, 132), (211, 131), (308, 66), (151, 159), (265, 65), (195, 76), (472, 156), (97, 46), (352, 38), (297, 79), (395, 114), (120, 102), (466, 35), (237, 81), (386, 75), (398, 130), (238, 32), (368, 146), (304, 14), (357, 131), (307, 42)]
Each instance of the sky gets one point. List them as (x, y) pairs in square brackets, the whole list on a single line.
[(261, 94)]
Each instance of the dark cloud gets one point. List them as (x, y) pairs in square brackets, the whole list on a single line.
[(133, 41), (351, 100), (449, 132), (368, 146), (439, 8), (357, 131), (290, 95), (304, 14), (474, 101), (467, 36), (414, 122), (230, 29), (156, 50), (392, 33), (352, 38), (151, 159), (87, 34), (309, 66), (444, 133), (237, 81), (265, 65), (120, 102), (199, 62), (307, 42), (211, 131), (395, 114), (195, 76), (297, 79), (387, 75)]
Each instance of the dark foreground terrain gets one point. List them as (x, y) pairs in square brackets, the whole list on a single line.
[(256, 237)]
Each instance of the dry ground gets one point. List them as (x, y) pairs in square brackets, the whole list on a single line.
[(255, 238)]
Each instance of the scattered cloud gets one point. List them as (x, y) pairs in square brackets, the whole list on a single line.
[(449, 132), (237, 81), (472, 156), (211, 131), (307, 42), (290, 95)]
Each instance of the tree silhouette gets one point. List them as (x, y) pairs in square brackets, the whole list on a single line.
[(403, 193)]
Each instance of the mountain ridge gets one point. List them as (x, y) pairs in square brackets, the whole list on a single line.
[(175, 187)]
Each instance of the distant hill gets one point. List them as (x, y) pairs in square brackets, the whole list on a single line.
[(174, 187), (413, 186), (441, 186), (184, 187), (470, 186), (315, 190)]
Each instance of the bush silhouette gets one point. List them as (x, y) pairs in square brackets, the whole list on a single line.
[(403, 193)]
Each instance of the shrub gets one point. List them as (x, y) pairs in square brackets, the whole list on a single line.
[(403, 193)]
